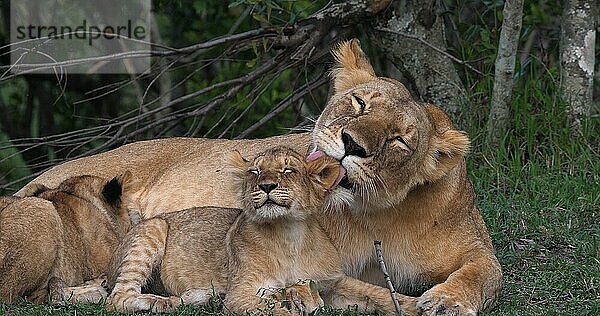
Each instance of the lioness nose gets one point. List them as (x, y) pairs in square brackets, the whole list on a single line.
[(351, 147), (267, 187)]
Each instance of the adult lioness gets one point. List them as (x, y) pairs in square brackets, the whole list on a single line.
[(273, 242), (406, 185), (61, 237)]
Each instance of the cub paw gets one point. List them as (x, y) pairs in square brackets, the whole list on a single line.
[(85, 294), (124, 303), (92, 291), (300, 298), (438, 302)]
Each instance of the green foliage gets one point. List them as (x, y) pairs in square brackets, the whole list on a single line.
[(278, 11), (540, 198)]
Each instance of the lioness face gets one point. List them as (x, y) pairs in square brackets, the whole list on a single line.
[(279, 184), (387, 142), (374, 131)]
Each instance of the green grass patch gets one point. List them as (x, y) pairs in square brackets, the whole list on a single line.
[(214, 308), (544, 226)]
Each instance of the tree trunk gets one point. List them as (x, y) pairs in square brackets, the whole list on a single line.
[(577, 43), (430, 74), (505, 69)]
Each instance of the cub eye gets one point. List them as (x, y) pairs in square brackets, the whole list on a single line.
[(288, 170), (255, 171), (360, 102), (402, 142)]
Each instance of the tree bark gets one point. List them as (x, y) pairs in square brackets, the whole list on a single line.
[(430, 74), (577, 43), (505, 68)]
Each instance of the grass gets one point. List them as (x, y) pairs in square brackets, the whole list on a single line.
[(544, 224), (214, 308), (539, 192)]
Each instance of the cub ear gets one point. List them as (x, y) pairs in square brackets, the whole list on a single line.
[(448, 146), (119, 186), (325, 169), (35, 190), (237, 164), (353, 67), (113, 190)]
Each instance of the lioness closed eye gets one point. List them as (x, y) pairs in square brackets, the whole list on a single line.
[(272, 243)]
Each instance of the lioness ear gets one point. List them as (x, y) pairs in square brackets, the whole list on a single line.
[(448, 146), (238, 165), (325, 169), (353, 67)]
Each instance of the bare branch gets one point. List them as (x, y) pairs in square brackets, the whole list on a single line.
[(388, 281), (142, 53), (293, 98)]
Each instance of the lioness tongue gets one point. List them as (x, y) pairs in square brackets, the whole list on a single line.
[(319, 153), (315, 154), (339, 178)]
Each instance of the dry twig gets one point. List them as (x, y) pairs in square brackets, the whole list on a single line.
[(378, 252)]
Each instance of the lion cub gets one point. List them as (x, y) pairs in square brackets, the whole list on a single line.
[(61, 237), (272, 243)]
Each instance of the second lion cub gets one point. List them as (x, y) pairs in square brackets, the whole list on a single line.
[(272, 243)]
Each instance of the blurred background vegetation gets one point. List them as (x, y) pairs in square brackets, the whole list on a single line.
[(37, 110), (539, 187)]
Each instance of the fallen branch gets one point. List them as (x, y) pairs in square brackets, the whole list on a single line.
[(386, 276)]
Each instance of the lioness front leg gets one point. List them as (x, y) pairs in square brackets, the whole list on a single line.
[(347, 291), (472, 288), (144, 250)]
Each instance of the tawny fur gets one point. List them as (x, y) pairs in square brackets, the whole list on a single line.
[(59, 239), (272, 243), (418, 200)]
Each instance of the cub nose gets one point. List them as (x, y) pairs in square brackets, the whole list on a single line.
[(351, 147), (267, 187)]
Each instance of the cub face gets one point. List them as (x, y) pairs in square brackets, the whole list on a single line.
[(386, 141), (279, 184)]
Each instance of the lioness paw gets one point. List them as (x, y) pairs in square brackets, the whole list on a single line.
[(438, 302)]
